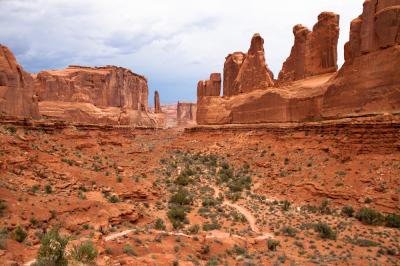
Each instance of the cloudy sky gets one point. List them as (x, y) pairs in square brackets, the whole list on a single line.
[(174, 43)]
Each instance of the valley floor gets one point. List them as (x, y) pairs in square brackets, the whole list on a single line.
[(327, 196)]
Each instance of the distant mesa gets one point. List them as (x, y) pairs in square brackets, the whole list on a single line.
[(310, 87)]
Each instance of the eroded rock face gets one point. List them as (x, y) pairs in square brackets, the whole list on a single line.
[(108, 86), (186, 113), (157, 106), (369, 80), (247, 72), (17, 97), (211, 87), (314, 52), (109, 95)]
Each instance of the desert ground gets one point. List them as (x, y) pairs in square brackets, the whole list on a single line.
[(320, 195)]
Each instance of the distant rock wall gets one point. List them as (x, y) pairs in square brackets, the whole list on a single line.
[(211, 87), (314, 52), (186, 113), (17, 96)]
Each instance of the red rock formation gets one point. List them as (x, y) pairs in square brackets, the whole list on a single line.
[(211, 87), (253, 73), (109, 95), (313, 53), (233, 63), (157, 106), (369, 80), (108, 86), (17, 97), (186, 113)]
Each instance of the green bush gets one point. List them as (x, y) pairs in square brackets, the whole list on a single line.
[(272, 244), (348, 211), (52, 250), (86, 252), (211, 226), (393, 220), (325, 231), (182, 180), (289, 231), (194, 229), (129, 250), (159, 224), (113, 199), (48, 189), (177, 216), (19, 234), (286, 205), (181, 197), (370, 216)]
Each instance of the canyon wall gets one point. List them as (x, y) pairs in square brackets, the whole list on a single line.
[(309, 88), (17, 96), (106, 95), (186, 114), (314, 52)]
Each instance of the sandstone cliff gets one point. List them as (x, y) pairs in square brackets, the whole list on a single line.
[(186, 113), (314, 52), (247, 72), (110, 95), (17, 97), (367, 84), (211, 87)]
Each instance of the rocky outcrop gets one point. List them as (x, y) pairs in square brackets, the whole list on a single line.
[(17, 97), (107, 95), (314, 52), (369, 81), (367, 84), (247, 72), (186, 113), (211, 87), (157, 106)]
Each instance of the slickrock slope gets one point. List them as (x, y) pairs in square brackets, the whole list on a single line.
[(369, 81), (367, 84), (17, 97), (314, 52), (186, 114), (109, 95)]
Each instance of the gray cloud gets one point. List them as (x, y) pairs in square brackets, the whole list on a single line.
[(174, 43)]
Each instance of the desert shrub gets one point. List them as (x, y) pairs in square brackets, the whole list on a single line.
[(52, 250), (211, 226), (393, 220), (325, 231), (209, 202), (127, 249), (182, 180), (86, 252), (289, 231), (181, 197), (324, 207), (159, 224), (272, 244), (286, 205), (348, 211), (113, 199), (194, 229), (3, 206), (205, 249), (3, 239), (19, 234), (370, 216), (238, 250), (177, 216), (48, 189)]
